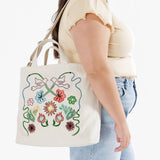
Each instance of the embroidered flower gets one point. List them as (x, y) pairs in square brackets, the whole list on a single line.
[(30, 102), (35, 110), (59, 117), (70, 125), (50, 108), (39, 97), (72, 99), (31, 128), (60, 95), (65, 108), (70, 114), (30, 116), (41, 118)]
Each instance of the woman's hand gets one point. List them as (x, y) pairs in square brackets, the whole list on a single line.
[(123, 136)]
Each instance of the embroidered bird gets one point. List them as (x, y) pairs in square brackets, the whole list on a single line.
[(39, 83), (60, 82)]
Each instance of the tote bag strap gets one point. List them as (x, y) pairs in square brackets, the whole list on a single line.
[(46, 53), (47, 35)]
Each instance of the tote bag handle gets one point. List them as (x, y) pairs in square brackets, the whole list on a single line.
[(39, 48), (47, 35), (46, 53)]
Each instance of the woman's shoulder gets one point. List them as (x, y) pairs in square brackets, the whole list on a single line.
[(77, 9), (81, 5)]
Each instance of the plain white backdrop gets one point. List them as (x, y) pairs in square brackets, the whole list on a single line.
[(24, 23)]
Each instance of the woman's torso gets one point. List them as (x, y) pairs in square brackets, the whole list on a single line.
[(120, 47)]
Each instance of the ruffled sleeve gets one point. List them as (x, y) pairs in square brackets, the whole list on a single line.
[(78, 8)]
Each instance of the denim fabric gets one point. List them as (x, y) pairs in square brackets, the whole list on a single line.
[(104, 150)]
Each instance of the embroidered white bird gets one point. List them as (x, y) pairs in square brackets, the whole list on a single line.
[(60, 82), (39, 83)]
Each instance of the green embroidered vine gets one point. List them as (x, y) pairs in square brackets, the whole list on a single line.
[(25, 108), (74, 118), (25, 118), (46, 125), (55, 125)]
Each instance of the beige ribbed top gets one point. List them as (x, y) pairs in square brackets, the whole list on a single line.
[(121, 41)]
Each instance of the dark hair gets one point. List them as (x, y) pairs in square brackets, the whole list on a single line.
[(54, 33)]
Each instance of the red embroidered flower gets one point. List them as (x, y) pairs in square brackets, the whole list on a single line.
[(70, 125), (31, 128), (41, 118), (59, 117), (60, 95)]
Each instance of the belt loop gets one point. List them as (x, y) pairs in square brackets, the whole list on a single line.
[(125, 83), (134, 84)]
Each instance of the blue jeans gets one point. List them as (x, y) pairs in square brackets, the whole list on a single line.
[(104, 150)]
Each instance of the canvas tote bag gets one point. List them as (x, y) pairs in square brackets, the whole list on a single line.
[(57, 106)]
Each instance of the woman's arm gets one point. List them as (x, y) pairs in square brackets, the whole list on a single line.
[(91, 39)]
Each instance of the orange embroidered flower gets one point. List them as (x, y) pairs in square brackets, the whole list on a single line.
[(60, 95), (59, 117)]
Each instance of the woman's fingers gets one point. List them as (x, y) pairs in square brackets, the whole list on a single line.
[(123, 137), (123, 144), (118, 139)]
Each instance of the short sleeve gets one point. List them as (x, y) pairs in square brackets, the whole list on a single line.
[(78, 8)]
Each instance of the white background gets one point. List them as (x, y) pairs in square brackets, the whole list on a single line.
[(24, 23)]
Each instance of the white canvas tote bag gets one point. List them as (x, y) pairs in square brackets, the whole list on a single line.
[(57, 106)]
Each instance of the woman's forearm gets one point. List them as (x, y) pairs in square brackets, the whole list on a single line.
[(104, 86)]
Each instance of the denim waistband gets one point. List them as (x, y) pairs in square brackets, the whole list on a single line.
[(125, 81)]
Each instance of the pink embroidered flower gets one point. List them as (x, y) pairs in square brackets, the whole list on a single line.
[(60, 95), (59, 117), (30, 102), (41, 118)]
